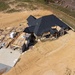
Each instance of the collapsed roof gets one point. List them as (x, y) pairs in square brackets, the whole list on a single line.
[(31, 20), (43, 24)]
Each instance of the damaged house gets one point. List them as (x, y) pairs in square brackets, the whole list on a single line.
[(45, 26)]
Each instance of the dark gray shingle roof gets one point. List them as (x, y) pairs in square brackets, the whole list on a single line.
[(44, 24)]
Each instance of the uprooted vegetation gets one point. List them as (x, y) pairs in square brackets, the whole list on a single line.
[(19, 5), (22, 5)]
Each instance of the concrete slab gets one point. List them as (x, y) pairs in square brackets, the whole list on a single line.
[(8, 58)]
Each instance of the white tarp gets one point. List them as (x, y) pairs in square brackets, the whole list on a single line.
[(12, 34)]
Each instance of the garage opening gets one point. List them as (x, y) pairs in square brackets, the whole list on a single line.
[(32, 40)]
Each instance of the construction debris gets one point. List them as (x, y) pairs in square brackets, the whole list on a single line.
[(12, 35), (20, 42)]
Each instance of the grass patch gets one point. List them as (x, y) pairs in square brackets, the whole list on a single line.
[(34, 1), (27, 6), (3, 6), (40, 1), (24, 0)]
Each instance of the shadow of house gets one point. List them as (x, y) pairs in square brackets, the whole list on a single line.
[(44, 24), (4, 68)]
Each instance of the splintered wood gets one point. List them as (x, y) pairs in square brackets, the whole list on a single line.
[(7, 40), (5, 36), (56, 27), (19, 41)]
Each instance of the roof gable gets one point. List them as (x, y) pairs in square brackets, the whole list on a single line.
[(31, 20)]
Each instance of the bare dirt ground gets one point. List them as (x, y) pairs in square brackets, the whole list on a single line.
[(48, 58), (45, 58)]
